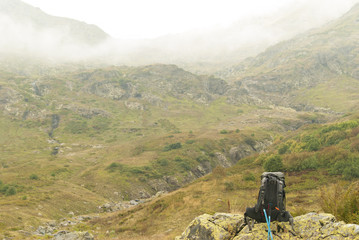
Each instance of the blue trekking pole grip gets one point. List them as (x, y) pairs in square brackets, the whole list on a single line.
[(268, 224)]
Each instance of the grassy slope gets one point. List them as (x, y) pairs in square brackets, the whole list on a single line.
[(168, 216), (87, 146), (232, 190)]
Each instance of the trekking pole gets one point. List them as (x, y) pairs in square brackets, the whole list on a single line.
[(268, 224)]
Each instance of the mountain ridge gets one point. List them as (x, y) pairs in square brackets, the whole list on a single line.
[(26, 14)]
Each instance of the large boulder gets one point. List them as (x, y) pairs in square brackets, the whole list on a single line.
[(219, 226), (222, 226)]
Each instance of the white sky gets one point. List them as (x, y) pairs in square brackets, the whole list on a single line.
[(153, 18)]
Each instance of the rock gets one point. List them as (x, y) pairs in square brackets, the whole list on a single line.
[(45, 230), (160, 193), (222, 226), (172, 181), (217, 227), (222, 160), (202, 169), (64, 235), (134, 202), (237, 153), (134, 105)]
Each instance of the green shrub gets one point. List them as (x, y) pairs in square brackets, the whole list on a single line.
[(3, 188), (283, 149), (223, 131), (172, 146), (229, 186), (162, 162), (136, 170), (10, 191), (185, 165), (342, 126), (201, 159), (250, 141), (113, 166), (311, 143), (348, 168), (34, 177), (309, 163), (334, 137), (249, 177), (273, 164)]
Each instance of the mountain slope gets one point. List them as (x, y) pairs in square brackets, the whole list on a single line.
[(29, 35), (314, 68), (27, 15)]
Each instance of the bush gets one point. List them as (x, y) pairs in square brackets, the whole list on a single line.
[(249, 177), (273, 164), (283, 149), (349, 168), (10, 191), (334, 137), (342, 202), (185, 165), (223, 131), (250, 141), (311, 143), (162, 162), (201, 159), (341, 126), (229, 186), (172, 146), (34, 177), (310, 162), (113, 166)]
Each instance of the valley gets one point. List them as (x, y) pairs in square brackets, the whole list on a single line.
[(137, 152)]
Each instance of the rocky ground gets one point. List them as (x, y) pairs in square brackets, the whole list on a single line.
[(224, 226)]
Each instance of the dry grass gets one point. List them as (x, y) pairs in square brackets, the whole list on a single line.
[(167, 216)]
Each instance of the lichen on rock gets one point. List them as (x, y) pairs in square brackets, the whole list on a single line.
[(224, 226)]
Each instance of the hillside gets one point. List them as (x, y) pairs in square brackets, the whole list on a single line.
[(32, 36), (96, 136), (24, 14), (309, 71), (155, 146), (311, 167)]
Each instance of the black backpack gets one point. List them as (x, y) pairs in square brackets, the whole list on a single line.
[(271, 197), (271, 193)]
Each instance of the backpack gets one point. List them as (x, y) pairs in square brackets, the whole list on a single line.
[(271, 193)]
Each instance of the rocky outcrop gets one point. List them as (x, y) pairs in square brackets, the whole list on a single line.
[(64, 235), (247, 148), (222, 160), (224, 226)]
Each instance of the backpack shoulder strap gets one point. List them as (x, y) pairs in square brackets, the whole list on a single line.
[(260, 201), (280, 195)]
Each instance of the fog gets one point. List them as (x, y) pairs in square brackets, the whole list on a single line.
[(211, 47)]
